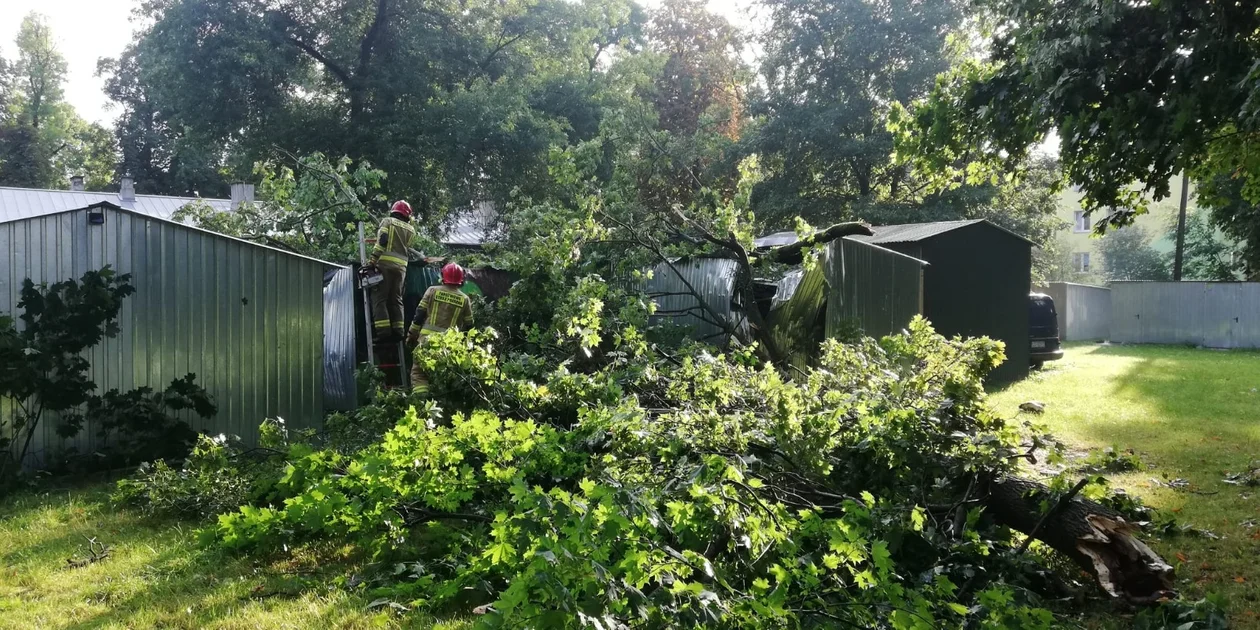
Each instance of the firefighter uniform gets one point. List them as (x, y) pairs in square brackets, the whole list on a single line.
[(443, 307), (391, 254)]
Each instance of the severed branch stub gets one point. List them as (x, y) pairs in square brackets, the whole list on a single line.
[(1096, 537), (96, 552)]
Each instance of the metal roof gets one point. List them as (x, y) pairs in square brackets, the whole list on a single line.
[(777, 239), (113, 206), (912, 232), (27, 203)]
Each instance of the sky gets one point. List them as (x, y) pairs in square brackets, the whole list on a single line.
[(87, 30)]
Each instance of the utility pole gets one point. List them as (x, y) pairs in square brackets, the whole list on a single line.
[(1181, 227)]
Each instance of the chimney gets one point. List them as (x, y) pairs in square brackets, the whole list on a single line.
[(127, 191), (76, 183), (242, 193)]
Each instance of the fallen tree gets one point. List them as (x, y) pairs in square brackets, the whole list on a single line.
[(670, 488), (1094, 536)]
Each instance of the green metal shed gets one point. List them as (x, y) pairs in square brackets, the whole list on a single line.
[(976, 282)]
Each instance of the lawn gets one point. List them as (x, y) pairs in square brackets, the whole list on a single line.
[(156, 576), (1190, 414)]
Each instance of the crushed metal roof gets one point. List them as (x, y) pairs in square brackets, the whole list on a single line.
[(913, 232), (27, 203), (778, 239)]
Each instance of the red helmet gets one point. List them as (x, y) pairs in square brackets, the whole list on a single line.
[(453, 275), (402, 207)]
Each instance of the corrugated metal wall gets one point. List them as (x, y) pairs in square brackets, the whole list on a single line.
[(976, 284), (339, 340), (247, 320), (1084, 310), (1210, 314), (798, 314), (877, 289), (713, 278)]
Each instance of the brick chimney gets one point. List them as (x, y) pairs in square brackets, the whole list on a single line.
[(241, 193), (127, 191), (76, 183)]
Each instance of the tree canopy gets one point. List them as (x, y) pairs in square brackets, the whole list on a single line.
[(457, 101), (1137, 92)]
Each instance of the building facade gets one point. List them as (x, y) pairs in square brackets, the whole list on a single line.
[(1080, 247)]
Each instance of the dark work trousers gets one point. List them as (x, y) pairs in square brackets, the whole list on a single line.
[(387, 300)]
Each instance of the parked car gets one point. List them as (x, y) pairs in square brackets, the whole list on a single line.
[(1043, 330)]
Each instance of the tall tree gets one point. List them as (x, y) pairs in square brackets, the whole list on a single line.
[(457, 101), (1208, 255), (696, 93), (6, 87), (40, 71), (832, 69), (162, 156), (1137, 91), (42, 140), (1236, 215)]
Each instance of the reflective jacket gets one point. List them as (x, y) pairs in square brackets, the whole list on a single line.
[(442, 307), (393, 243)]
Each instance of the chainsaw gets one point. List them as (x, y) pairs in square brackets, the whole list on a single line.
[(369, 277)]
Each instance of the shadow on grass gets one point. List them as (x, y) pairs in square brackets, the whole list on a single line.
[(1204, 404), (156, 575)]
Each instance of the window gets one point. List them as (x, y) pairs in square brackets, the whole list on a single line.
[(1081, 221), (1080, 261)]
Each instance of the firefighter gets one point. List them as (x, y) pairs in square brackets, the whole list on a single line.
[(390, 257), (442, 307)]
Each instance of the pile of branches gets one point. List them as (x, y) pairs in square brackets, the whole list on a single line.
[(689, 488)]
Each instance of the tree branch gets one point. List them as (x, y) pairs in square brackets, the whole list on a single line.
[(368, 45), (794, 253), (338, 71)]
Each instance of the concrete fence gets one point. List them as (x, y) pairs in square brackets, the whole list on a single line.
[(1209, 314), (1084, 310)]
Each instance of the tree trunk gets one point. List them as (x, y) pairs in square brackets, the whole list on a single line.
[(1094, 536), (793, 254)]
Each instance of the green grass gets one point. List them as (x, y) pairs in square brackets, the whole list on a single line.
[(1190, 414), (157, 577)]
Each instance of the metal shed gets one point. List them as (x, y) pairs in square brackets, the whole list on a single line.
[(854, 287), (671, 288), (248, 320), (976, 283)]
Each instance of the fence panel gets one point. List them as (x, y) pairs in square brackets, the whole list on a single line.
[(1084, 310), (1210, 314)]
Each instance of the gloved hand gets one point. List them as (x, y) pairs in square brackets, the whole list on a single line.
[(413, 340)]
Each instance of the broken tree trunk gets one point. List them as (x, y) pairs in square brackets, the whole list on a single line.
[(1094, 536), (794, 253)]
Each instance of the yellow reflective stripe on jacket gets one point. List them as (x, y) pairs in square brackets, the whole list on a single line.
[(395, 250)]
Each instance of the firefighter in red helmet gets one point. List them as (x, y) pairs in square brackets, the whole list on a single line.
[(390, 257), (442, 307)]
